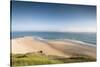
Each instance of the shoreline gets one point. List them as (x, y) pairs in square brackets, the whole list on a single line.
[(70, 40), (65, 48)]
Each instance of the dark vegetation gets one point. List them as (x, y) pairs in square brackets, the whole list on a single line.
[(40, 59)]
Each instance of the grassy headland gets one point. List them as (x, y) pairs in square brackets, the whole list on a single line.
[(40, 59)]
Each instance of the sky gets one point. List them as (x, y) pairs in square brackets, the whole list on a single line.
[(36, 16)]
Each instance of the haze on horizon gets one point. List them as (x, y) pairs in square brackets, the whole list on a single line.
[(36, 16)]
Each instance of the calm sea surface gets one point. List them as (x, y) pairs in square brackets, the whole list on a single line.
[(84, 37)]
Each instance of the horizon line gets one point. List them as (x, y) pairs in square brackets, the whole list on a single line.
[(58, 31)]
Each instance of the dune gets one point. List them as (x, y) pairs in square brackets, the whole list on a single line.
[(51, 47)]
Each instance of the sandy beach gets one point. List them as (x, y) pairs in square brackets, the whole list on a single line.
[(51, 47)]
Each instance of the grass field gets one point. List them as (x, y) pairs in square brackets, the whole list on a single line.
[(40, 59)]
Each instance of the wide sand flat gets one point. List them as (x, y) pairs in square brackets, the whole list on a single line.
[(59, 48), (27, 45), (72, 48)]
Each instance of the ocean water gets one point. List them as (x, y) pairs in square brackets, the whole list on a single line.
[(83, 37)]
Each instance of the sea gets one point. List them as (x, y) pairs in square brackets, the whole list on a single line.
[(86, 37)]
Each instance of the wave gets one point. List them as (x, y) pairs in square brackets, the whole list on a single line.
[(80, 42), (70, 40), (66, 40)]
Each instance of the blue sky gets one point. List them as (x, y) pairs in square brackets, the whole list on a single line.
[(35, 16)]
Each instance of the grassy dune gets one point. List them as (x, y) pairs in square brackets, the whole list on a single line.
[(40, 59), (31, 59)]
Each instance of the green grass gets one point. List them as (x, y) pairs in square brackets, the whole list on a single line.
[(39, 59), (75, 59), (32, 59)]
